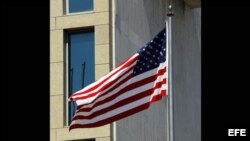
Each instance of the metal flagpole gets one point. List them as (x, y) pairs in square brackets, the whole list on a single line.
[(169, 61), (113, 125)]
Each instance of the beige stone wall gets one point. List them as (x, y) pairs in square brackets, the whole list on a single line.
[(99, 18)]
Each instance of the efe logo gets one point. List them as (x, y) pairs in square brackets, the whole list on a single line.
[(236, 132)]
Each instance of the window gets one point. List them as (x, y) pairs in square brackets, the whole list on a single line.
[(75, 6), (80, 68), (85, 140)]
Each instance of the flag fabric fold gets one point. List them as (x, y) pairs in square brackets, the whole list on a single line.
[(128, 89)]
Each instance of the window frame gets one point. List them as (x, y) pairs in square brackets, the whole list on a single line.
[(66, 67), (75, 13)]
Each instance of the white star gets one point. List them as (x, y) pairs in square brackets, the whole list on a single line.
[(161, 53)]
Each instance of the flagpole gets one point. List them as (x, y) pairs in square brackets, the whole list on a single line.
[(170, 129), (113, 124)]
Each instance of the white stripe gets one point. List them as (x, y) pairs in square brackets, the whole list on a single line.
[(104, 77), (118, 110), (90, 99), (132, 80), (124, 96), (164, 86), (121, 72)]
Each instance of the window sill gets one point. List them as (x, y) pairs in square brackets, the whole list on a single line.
[(79, 13)]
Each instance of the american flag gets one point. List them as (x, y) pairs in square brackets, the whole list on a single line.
[(128, 89)]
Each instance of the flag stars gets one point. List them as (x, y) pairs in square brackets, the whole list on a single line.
[(161, 53), (151, 55)]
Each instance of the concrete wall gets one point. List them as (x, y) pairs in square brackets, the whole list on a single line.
[(187, 72), (136, 22)]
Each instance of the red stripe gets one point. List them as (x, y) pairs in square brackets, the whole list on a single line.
[(101, 95), (119, 116), (103, 87), (104, 101), (122, 102), (164, 92), (125, 89), (129, 62)]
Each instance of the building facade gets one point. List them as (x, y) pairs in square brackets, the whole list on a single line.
[(72, 23), (103, 33), (131, 33)]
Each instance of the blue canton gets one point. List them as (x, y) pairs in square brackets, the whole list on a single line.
[(152, 54)]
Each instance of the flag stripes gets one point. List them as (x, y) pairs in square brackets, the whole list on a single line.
[(128, 93), (99, 83), (128, 89), (134, 86)]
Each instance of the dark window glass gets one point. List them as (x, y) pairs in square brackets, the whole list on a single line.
[(80, 5), (81, 63)]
